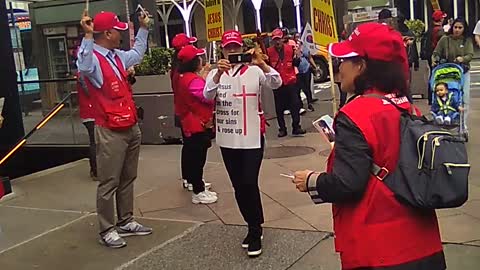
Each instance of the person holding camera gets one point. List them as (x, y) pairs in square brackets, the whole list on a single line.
[(282, 57), (236, 85), (196, 118), (118, 137)]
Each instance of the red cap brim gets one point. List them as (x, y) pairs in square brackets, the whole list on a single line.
[(201, 52), (192, 40), (121, 26), (342, 50), (232, 41)]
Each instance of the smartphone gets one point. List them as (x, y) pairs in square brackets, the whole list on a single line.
[(324, 125), (240, 58)]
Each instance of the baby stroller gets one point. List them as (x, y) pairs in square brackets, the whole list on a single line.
[(452, 75)]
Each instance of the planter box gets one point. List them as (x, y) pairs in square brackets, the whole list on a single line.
[(152, 84)]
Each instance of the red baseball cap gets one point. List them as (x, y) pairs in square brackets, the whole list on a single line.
[(277, 33), (189, 52), (181, 40), (232, 36), (105, 20), (438, 15), (375, 41)]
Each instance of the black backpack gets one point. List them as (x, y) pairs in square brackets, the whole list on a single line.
[(432, 169)]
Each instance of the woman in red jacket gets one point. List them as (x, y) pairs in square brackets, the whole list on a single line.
[(196, 118), (373, 230)]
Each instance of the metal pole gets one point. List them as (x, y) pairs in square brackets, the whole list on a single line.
[(412, 11), (466, 10), (425, 14), (280, 22), (12, 16), (258, 21), (299, 21), (455, 8)]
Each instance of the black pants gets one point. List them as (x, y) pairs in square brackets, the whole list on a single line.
[(432, 262), (286, 98), (428, 83), (90, 125), (304, 81), (243, 167), (194, 152), (183, 160)]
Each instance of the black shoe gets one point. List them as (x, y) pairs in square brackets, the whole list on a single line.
[(314, 100), (254, 247), (310, 108), (248, 239), (298, 132), (282, 133)]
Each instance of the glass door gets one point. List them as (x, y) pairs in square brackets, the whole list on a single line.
[(58, 57)]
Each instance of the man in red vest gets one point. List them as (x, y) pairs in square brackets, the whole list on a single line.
[(282, 58), (117, 134)]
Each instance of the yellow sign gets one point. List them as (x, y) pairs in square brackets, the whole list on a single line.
[(214, 19), (323, 22), (435, 4)]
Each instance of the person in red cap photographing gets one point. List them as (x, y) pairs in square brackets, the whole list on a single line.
[(118, 137), (240, 126), (373, 230), (196, 118), (282, 57)]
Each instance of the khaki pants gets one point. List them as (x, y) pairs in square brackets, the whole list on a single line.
[(117, 163)]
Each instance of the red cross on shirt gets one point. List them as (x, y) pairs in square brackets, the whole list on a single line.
[(244, 96)]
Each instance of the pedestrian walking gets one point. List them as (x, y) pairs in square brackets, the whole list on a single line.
[(117, 134), (240, 128)]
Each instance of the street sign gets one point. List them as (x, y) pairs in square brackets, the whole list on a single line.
[(214, 19), (323, 22)]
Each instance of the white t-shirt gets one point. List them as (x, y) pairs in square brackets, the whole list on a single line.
[(476, 31), (237, 100)]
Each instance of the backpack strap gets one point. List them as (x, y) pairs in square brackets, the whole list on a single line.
[(378, 171)]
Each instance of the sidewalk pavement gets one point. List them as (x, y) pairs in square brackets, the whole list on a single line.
[(50, 222)]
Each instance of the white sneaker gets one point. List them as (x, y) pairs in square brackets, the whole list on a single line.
[(302, 111), (184, 183), (447, 120), (203, 198), (286, 112), (439, 120), (213, 193)]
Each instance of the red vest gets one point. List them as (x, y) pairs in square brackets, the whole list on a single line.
[(435, 37), (285, 67), (113, 102), (378, 230), (193, 113), (84, 101), (174, 81)]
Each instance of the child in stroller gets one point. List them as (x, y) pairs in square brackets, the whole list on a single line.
[(446, 106)]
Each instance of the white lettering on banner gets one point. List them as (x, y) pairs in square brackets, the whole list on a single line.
[(396, 100)]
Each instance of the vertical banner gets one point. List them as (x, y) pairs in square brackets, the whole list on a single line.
[(323, 22), (214, 19), (435, 4)]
